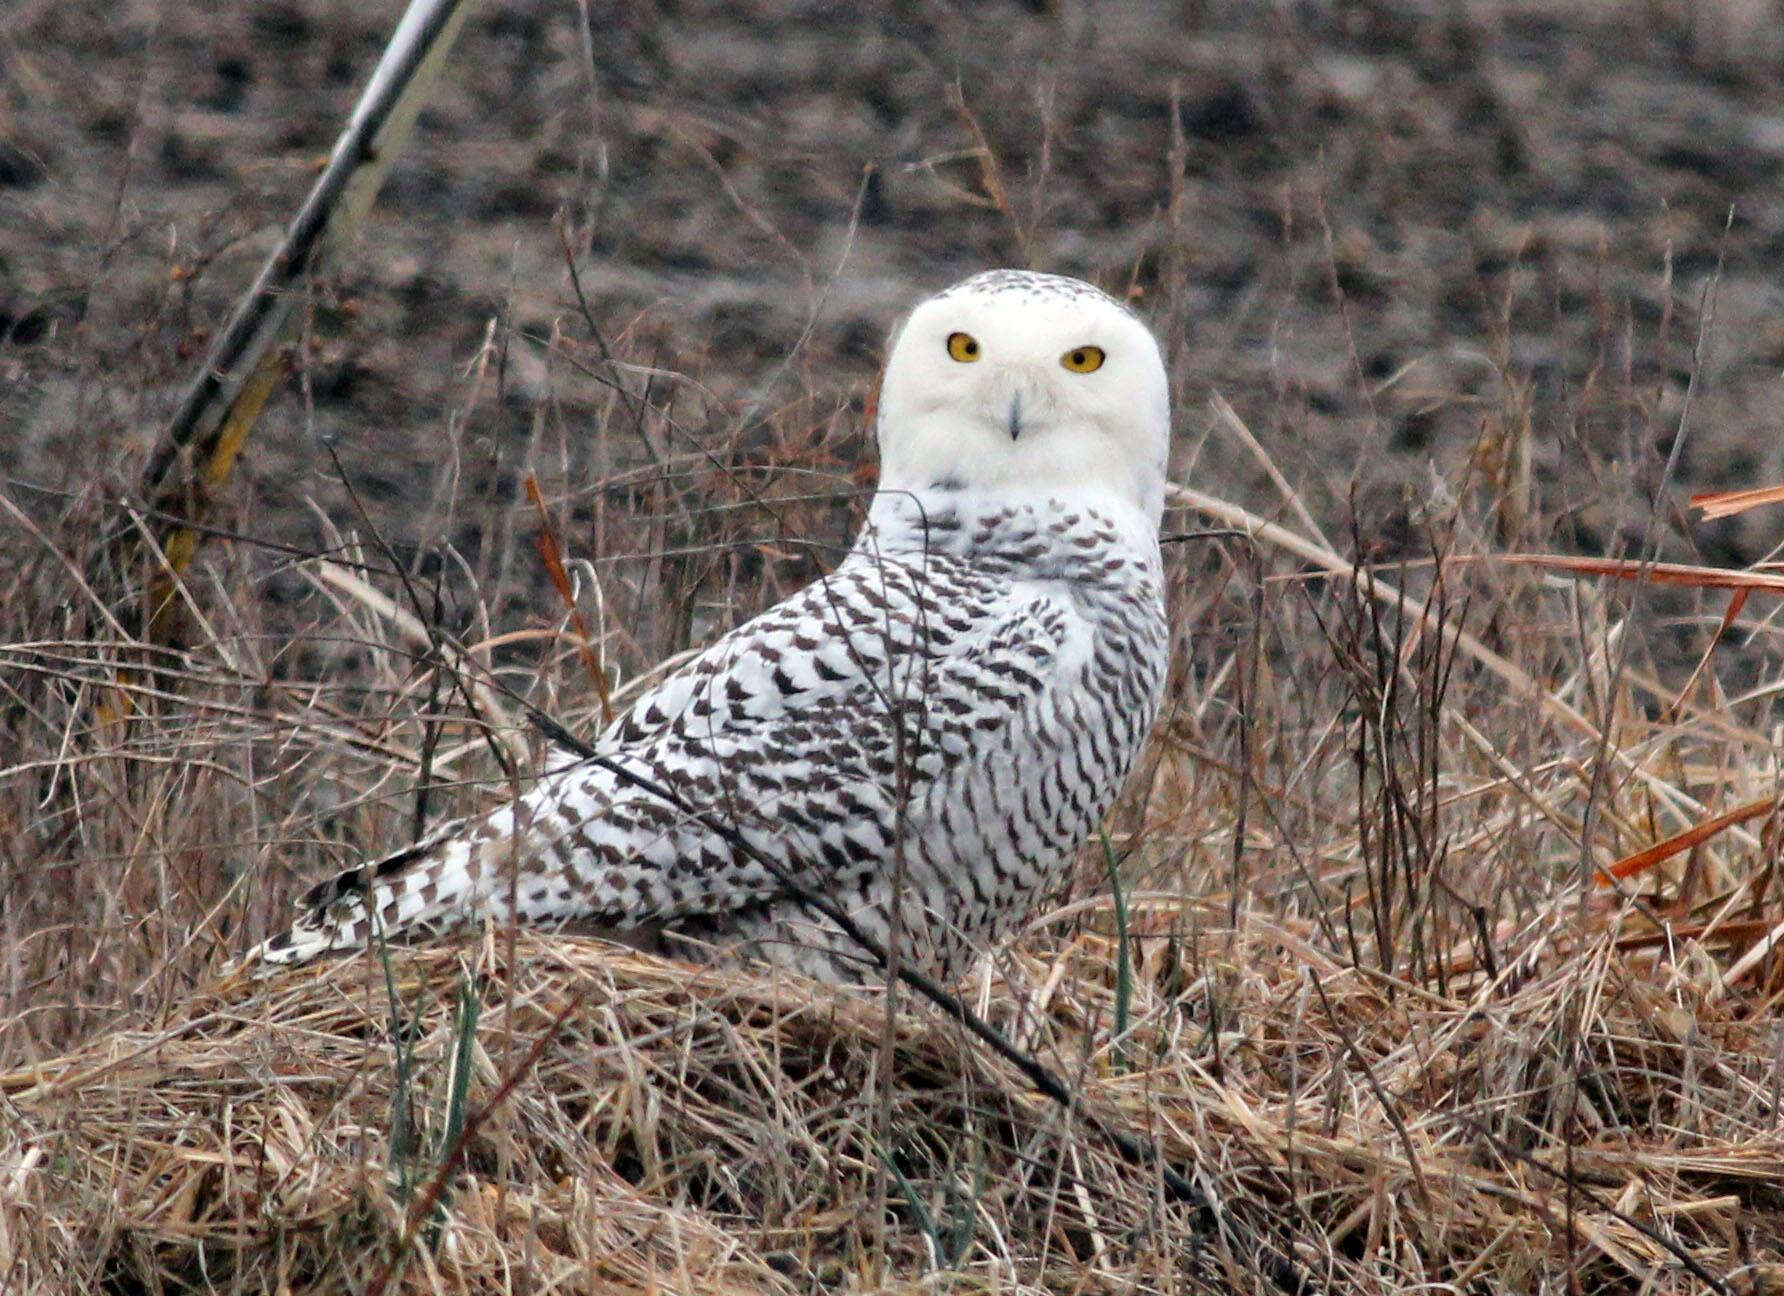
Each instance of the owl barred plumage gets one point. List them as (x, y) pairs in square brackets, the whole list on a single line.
[(924, 737)]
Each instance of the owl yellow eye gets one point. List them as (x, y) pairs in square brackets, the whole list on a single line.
[(1083, 359), (964, 347)]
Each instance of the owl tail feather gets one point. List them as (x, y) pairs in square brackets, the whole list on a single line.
[(432, 885)]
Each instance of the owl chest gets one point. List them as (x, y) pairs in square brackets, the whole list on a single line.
[(1035, 787)]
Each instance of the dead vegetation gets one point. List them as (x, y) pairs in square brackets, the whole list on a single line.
[(1602, 1106), (1425, 963), (1436, 943)]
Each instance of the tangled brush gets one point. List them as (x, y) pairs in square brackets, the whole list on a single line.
[(558, 1114)]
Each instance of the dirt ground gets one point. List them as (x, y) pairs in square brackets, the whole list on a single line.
[(1377, 229)]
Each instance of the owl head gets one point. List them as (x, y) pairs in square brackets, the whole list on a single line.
[(1021, 382)]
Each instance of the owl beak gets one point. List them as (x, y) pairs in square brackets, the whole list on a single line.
[(1015, 415)]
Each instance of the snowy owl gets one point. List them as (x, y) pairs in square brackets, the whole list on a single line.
[(924, 737)]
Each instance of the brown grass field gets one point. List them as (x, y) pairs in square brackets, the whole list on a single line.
[(1436, 941)]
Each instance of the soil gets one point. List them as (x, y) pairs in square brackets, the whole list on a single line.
[(1389, 234)]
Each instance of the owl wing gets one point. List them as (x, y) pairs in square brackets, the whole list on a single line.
[(877, 638), (812, 732), (811, 729)]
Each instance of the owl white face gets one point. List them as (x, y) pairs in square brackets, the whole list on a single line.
[(1012, 381)]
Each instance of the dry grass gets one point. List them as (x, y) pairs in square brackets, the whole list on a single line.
[(1598, 1112), (1368, 1005), (1443, 950)]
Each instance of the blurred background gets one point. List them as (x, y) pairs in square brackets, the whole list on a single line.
[(1388, 233), (1470, 277)]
